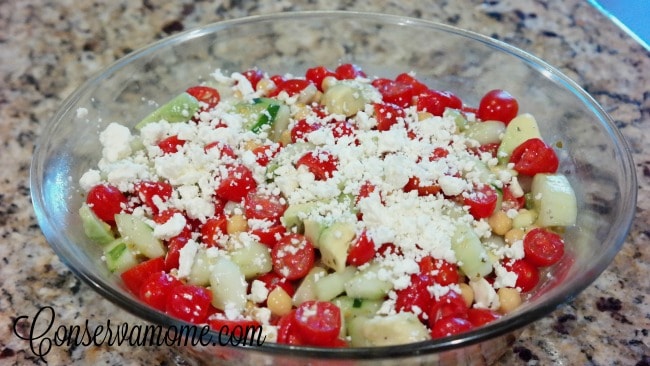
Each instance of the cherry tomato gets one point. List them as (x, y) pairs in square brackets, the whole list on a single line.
[(320, 163), (440, 271), (171, 144), (264, 154), (106, 201), (237, 184), (414, 184), (450, 304), (147, 191), (291, 87), (253, 76), (262, 206), (438, 153), (213, 229), (491, 148), (416, 297), (436, 101), (205, 94), (387, 115), (293, 256), (365, 190), (534, 156), (498, 105), (301, 129), (349, 71), (527, 273), (449, 326), (362, 250), (136, 275), (394, 92), (277, 79), (479, 317), (174, 246), (156, 288), (318, 322), (272, 280), (224, 149), (543, 248), (317, 74), (342, 128), (482, 201), (163, 216), (509, 201), (287, 333), (270, 236), (389, 249), (418, 87), (189, 302)]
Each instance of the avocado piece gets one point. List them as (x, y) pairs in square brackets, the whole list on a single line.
[(95, 229)]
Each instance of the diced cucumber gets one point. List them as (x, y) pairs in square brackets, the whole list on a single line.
[(352, 308), (470, 254), (479, 171), (307, 289), (366, 284), (554, 200), (487, 132), (521, 128), (313, 230), (227, 285), (334, 243), (179, 109), (524, 219), (253, 259), (345, 99), (461, 121), (264, 112), (332, 285), (95, 229), (201, 268), (400, 328), (119, 257), (140, 235), (294, 215)]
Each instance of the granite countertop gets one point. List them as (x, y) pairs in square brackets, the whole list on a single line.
[(48, 48)]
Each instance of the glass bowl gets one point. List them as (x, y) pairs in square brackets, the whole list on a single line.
[(593, 153)]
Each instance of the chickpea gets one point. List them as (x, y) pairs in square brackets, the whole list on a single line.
[(467, 293), (513, 235), (509, 299), (279, 302), (500, 222), (236, 224)]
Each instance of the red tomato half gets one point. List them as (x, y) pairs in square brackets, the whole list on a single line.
[(213, 229), (293, 256), (418, 87), (272, 280), (318, 322), (479, 317), (342, 128), (387, 115), (147, 191), (498, 105), (302, 128), (449, 304), (189, 302), (482, 201), (416, 297), (106, 201), (270, 236), (237, 184), (527, 274), (435, 102), (440, 271), (264, 207), (171, 144), (287, 333), (534, 156), (320, 163), (173, 255), (205, 94), (224, 149), (317, 74), (449, 326), (136, 275), (509, 201), (291, 87), (349, 71), (394, 92), (155, 289), (423, 190), (362, 250), (264, 154), (543, 248)]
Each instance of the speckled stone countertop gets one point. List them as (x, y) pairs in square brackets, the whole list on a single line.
[(48, 48)]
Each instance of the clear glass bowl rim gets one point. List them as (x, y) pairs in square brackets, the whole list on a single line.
[(61, 245)]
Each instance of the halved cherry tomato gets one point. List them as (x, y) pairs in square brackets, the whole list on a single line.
[(416, 297), (449, 326), (414, 184), (155, 289), (418, 87), (498, 105), (509, 201), (253, 76), (136, 275), (270, 236), (262, 206), (189, 302), (205, 94), (342, 128), (224, 149), (174, 246), (320, 163), (317, 74), (213, 229), (349, 71), (387, 115), (106, 201), (293, 256), (543, 248), (440, 271), (436, 101), (534, 156), (272, 280), (482, 201), (362, 250), (450, 304), (479, 317), (171, 144), (365, 190), (237, 184), (394, 92), (291, 87), (264, 154), (147, 191), (287, 333), (318, 322), (527, 273), (438, 153), (163, 216), (302, 128)]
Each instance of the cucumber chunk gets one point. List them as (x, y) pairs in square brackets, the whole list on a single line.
[(253, 260), (471, 256), (264, 112), (366, 284), (140, 235), (313, 231), (332, 285), (227, 285), (334, 243), (294, 215), (521, 128), (344, 98), (352, 308), (119, 257), (487, 132), (554, 200), (307, 289), (179, 109), (400, 328), (95, 229)]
